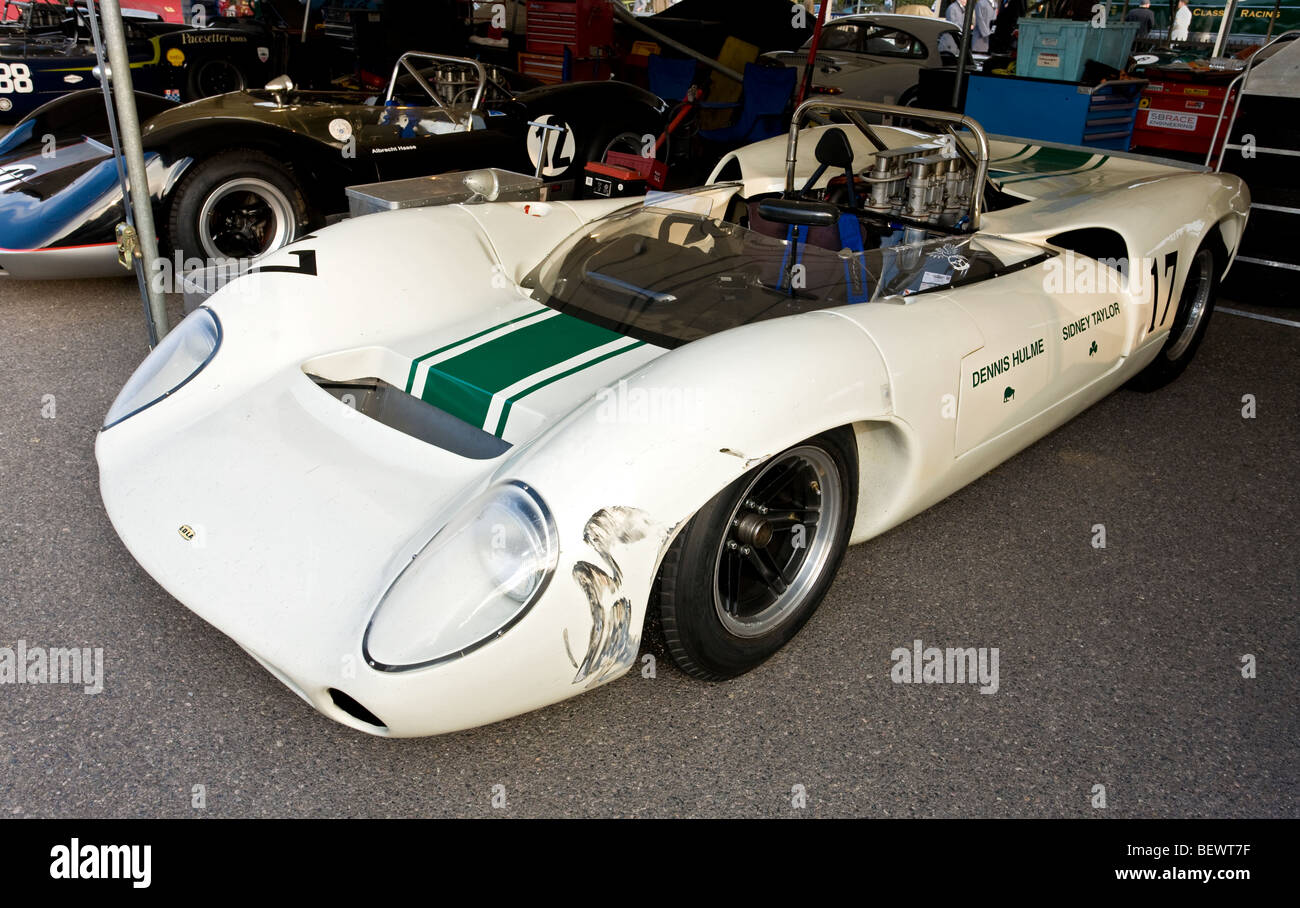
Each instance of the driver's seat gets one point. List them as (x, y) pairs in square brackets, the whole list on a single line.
[(833, 151)]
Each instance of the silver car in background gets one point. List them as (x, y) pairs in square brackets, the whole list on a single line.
[(877, 57)]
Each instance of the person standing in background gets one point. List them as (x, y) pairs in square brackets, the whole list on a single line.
[(1182, 22), (982, 28), (1005, 25), (1143, 16), (956, 14)]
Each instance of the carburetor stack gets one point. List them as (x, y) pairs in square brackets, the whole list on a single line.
[(928, 183), (455, 83)]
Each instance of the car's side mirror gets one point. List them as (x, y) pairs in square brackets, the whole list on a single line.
[(484, 184), (279, 87), (800, 212)]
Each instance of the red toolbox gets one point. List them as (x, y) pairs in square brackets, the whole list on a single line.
[(1179, 108), (582, 27)]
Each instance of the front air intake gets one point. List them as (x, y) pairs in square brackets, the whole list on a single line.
[(355, 709), (412, 416)]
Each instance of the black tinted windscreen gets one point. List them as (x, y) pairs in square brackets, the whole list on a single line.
[(671, 277)]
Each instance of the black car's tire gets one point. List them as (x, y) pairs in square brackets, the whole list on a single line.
[(1195, 306), (720, 611), (240, 204), (630, 139), (215, 77)]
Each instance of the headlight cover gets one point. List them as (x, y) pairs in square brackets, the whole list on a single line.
[(470, 583), (183, 354)]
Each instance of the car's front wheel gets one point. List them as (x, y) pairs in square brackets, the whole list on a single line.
[(237, 205), (1195, 306), (755, 562)]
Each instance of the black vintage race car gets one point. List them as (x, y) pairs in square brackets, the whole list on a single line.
[(47, 51), (240, 175)]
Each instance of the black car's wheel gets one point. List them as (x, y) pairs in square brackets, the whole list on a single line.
[(755, 562), (627, 142), (614, 138), (238, 205), (216, 77), (1195, 306)]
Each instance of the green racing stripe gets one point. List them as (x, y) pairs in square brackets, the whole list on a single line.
[(1024, 178), (467, 384), (505, 409), (1045, 161), (410, 380), (1011, 157)]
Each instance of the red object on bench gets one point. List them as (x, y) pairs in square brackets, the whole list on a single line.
[(652, 170)]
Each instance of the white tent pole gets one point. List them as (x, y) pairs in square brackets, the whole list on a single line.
[(1225, 27)]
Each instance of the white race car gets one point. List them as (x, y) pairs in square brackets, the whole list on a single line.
[(433, 467)]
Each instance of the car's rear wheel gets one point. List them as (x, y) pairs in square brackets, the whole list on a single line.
[(628, 141), (216, 77), (755, 562), (237, 205), (1195, 306)]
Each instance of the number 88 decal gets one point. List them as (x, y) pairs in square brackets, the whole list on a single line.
[(15, 78)]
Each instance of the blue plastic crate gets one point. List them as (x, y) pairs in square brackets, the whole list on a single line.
[(1058, 48), (1048, 111)]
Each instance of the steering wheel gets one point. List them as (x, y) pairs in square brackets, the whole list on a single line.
[(700, 227)]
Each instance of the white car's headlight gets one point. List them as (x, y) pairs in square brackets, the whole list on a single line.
[(183, 354), (471, 583)]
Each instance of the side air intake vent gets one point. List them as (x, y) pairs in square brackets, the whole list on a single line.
[(1106, 246)]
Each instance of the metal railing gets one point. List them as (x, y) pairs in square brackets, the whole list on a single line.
[(1238, 84)]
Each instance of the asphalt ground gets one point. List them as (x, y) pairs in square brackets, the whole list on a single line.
[(1119, 667)]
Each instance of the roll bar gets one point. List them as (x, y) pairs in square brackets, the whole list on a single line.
[(854, 109), (404, 62)]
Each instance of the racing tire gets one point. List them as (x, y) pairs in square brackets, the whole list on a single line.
[(1195, 306), (239, 204), (721, 608), (613, 138)]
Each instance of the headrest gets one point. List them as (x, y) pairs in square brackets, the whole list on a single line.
[(834, 150)]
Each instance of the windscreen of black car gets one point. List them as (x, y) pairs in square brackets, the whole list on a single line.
[(670, 277), (72, 117)]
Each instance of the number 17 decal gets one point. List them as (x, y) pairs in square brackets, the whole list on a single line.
[(1171, 270)]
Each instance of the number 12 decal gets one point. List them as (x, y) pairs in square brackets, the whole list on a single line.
[(1171, 270)]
